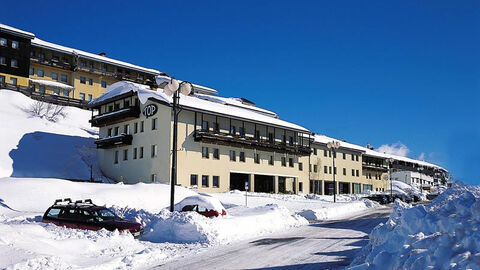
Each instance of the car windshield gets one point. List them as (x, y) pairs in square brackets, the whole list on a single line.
[(104, 214)]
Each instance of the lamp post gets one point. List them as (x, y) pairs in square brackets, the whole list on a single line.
[(173, 87), (390, 162), (334, 146)]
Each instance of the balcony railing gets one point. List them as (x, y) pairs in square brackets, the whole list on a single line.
[(117, 116), (52, 63), (251, 142), (110, 142), (115, 75), (374, 166)]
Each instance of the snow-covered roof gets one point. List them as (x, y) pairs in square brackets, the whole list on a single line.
[(237, 102), (45, 44), (52, 84), (325, 139), (15, 31), (194, 103)]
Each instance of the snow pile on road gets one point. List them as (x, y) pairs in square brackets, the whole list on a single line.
[(409, 189), (190, 227), (442, 235), (311, 207), (36, 147)]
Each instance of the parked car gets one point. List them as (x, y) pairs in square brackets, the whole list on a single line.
[(380, 198), (402, 197), (85, 215), (204, 205)]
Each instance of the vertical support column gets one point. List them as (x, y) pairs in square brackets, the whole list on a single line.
[(275, 184), (251, 183)]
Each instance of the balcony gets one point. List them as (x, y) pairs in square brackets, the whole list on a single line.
[(375, 166), (52, 63), (114, 117), (110, 142), (251, 143)]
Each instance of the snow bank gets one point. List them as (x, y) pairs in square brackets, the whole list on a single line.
[(442, 235), (337, 211), (190, 227), (28, 141)]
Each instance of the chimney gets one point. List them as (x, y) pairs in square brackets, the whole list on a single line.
[(102, 54)]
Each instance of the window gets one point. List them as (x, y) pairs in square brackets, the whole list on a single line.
[(41, 56), (205, 125), (90, 65), (104, 84), (270, 137), (90, 97), (334, 154), (284, 162), (2, 78), (216, 127), (334, 170), (256, 158), (54, 58), (300, 186), (40, 73), (83, 80), (13, 80), (141, 126), (300, 166), (63, 78), (3, 42), (104, 67), (353, 157), (215, 181), (344, 171), (141, 152), (241, 131), (284, 139), (232, 155), (135, 153), (344, 156), (126, 129), (216, 153), (3, 60), (90, 81), (290, 162), (356, 157), (125, 154), (330, 169), (357, 172), (154, 123), (353, 172), (116, 158), (193, 179), (83, 63), (153, 177), (65, 93), (233, 131), (204, 180), (242, 156), (135, 127), (54, 76), (154, 150), (14, 44), (31, 71), (109, 133), (56, 92), (325, 153), (325, 169), (257, 134), (291, 140), (270, 160), (315, 168), (82, 96), (204, 152), (41, 89), (116, 131), (315, 151)]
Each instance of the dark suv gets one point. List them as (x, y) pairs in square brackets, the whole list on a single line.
[(87, 216)]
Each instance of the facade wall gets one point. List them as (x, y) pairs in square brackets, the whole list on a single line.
[(15, 49)]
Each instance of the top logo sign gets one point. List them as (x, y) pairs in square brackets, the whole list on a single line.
[(150, 110)]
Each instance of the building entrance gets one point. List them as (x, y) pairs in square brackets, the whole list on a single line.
[(237, 181), (264, 183)]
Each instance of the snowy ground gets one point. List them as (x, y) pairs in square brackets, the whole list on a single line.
[(26, 139), (442, 235), (28, 243)]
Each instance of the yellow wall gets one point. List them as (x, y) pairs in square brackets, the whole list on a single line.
[(21, 81)]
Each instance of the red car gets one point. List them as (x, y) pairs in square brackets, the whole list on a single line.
[(87, 216), (203, 211)]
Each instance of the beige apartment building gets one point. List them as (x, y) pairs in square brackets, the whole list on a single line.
[(223, 143)]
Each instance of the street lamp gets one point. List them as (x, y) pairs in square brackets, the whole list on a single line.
[(390, 162), (333, 145), (172, 87)]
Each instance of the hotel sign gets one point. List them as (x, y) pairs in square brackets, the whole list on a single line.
[(150, 110)]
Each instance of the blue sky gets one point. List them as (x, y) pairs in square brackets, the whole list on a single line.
[(365, 71)]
